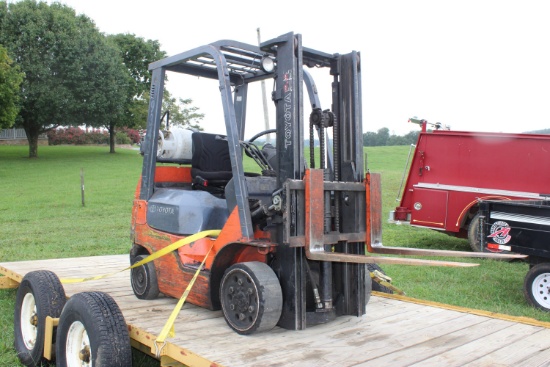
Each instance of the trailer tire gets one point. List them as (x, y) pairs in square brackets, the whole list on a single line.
[(144, 279), (40, 294), (377, 287), (251, 297), (536, 286), (92, 332)]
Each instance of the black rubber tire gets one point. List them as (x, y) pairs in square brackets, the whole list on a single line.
[(473, 234), (536, 286), (375, 285), (40, 294), (92, 326), (251, 297), (144, 279)]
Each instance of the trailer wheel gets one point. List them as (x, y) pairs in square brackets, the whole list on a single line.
[(536, 286), (377, 287), (40, 294), (251, 297), (92, 332), (144, 279)]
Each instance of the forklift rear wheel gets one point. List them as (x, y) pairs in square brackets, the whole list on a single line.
[(144, 279), (92, 332), (251, 297), (40, 294), (536, 286)]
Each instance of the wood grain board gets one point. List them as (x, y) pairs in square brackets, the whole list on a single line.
[(393, 332)]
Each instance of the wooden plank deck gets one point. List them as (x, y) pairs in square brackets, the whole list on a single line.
[(394, 332)]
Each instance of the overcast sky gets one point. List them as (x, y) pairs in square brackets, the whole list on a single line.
[(474, 65)]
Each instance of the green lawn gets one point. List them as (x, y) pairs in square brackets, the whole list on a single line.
[(42, 217)]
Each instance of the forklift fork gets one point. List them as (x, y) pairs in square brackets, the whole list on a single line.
[(316, 240)]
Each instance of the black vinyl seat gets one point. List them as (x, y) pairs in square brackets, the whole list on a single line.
[(211, 161)]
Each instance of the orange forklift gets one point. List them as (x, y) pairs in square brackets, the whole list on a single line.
[(293, 241)]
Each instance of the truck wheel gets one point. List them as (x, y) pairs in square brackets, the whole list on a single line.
[(251, 297), (473, 234), (40, 294), (377, 287), (144, 279), (92, 332), (536, 286)]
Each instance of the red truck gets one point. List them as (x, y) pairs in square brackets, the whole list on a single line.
[(452, 170)]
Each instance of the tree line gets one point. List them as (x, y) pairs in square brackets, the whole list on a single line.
[(58, 69), (383, 137)]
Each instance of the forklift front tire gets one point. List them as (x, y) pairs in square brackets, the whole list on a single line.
[(40, 294), (536, 286), (251, 297), (144, 279)]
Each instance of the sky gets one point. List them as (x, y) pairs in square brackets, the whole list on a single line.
[(478, 65)]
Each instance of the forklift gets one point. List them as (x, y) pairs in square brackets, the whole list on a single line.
[(293, 241)]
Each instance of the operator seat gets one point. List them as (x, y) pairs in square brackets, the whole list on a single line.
[(210, 161)]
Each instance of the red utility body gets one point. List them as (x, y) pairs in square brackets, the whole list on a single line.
[(451, 170)]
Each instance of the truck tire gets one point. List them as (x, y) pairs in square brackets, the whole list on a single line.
[(377, 287), (144, 279), (40, 294), (536, 286), (251, 297), (473, 234), (92, 332)]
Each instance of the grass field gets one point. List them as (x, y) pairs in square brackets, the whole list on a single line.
[(42, 217)]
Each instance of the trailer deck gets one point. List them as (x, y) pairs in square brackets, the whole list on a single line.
[(395, 331)]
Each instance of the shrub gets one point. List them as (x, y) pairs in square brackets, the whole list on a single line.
[(76, 136), (122, 138), (134, 135)]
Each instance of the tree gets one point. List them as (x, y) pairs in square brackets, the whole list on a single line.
[(10, 81), (137, 53), (72, 75), (382, 137), (107, 108), (181, 112)]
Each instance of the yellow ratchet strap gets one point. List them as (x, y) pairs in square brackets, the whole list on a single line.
[(153, 256), (385, 280), (168, 328)]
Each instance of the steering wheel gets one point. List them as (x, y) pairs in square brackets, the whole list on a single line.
[(262, 133)]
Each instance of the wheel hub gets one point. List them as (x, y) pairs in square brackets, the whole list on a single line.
[(78, 352), (241, 298), (541, 289), (85, 354), (29, 321), (241, 301)]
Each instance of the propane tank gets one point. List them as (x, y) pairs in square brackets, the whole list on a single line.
[(175, 143)]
